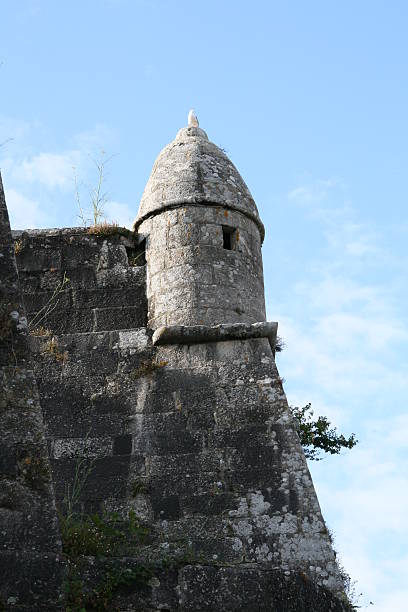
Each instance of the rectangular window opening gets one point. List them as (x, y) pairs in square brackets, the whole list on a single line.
[(228, 236), (137, 254)]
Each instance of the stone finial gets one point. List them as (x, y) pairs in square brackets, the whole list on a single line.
[(192, 119)]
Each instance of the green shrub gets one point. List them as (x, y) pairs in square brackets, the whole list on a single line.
[(104, 535)]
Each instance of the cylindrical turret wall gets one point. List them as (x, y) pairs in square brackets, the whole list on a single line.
[(204, 266)]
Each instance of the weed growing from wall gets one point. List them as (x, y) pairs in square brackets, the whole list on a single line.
[(33, 469), (13, 327), (105, 229), (98, 197), (146, 368), (18, 247), (102, 536), (51, 348), (40, 332), (50, 305)]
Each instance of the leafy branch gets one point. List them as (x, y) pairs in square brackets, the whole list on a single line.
[(317, 435)]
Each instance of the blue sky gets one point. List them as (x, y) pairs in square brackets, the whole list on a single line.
[(310, 101)]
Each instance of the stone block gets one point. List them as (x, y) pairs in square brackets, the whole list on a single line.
[(209, 504), (188, 463), (81, 447), (34, 302), (166, 508), (122, 445), (119, 317), (107, 297), (81, 278), (218, 550), (89, 356), (39, 259), (31, 580), (107, 477), (76, 254), (184, 484), (8, 460), (175, 440)]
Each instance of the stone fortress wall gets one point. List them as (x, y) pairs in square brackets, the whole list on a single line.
[(31, 561), (104, 291), (187, 424), (204, 237)]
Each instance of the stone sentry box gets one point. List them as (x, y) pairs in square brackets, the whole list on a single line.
[(204, 236)]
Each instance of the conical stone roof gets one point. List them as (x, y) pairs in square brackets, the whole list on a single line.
[(194, 171)]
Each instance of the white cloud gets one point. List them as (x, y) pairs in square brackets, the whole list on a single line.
[(327, 201), (343, 331), (360, 246), (378, 501), (347, 236), (339, 352), (53, 170), (339, 329), (394, 437), (50, 169), (369, 505), (344, 325), (312, 192), (333, 292), (393, 602), (24, 212), (48, 176)]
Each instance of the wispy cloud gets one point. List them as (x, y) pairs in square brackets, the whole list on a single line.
[(328, 201), (47, 177), (346, 332), (24, 212), (369, 503), (52, 170), (312, 192)]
